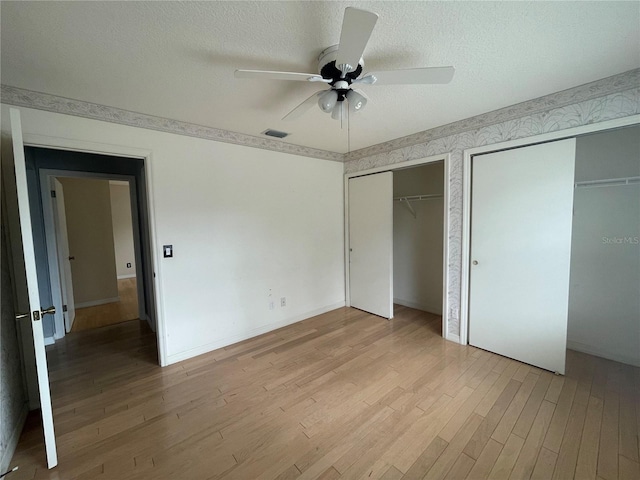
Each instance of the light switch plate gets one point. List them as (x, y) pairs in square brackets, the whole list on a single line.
[(167, 251)]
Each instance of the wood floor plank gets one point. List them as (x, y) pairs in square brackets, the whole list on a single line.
[(564, 401), (426, 460), (452, 427), (629, 470), (392, 474), (485, 461), (482, 435), (628, 441), (587, 463), (530, 410), (568, 453), (528, 455), (408, 447), (608, 451), (461, 468), (555, 387), (453, 451), (289, 474), (545, 465), (507, 458), (510, 417)]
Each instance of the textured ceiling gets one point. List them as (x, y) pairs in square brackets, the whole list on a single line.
[(176, 59)]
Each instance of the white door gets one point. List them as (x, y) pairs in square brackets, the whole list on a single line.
[(32, 285), (371, 243), (521, 216), (64, 260)]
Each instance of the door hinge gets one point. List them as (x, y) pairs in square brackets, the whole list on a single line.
[(64, 308), (53, 194)]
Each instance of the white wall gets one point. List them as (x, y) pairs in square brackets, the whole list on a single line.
[(604, 305), (245, 223), (122, 229), (87, 205), (418, 242)]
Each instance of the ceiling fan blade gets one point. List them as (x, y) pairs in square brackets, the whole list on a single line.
[(412, 76), (269, 75), (357, 26), (303, 107)]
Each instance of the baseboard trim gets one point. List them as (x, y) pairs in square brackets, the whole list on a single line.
[(94, 303), (7, 455), (128, 275), (452, 337), (598, 352), (194, 352), (418, 306)]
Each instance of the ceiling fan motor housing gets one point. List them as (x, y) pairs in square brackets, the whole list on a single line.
[(328, 69)]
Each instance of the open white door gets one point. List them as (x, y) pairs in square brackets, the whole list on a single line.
[(521, 216), (32, 285), (371, 243), (64, 260)]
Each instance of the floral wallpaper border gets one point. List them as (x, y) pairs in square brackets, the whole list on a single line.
[(588, 91), (594, 110), (51, 103)]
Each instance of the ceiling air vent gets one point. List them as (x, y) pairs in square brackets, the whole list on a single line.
[(275, 133)]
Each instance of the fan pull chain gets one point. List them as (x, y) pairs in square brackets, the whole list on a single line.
[(348, 131)]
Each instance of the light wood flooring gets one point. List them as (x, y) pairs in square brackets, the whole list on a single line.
[(342, 395), (110, 313)]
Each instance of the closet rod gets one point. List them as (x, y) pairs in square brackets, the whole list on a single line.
[(413, 198), (418, 197), (608, 182)]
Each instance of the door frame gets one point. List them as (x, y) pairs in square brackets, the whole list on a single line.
[(467, 161), (446, 158), (46, 175), (59, 143)]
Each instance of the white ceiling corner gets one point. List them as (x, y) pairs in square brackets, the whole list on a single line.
[(176, 59)]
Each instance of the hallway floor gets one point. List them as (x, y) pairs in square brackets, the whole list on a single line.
[(110, 313)]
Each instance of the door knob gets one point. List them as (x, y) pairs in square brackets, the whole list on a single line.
[(475, 262), (45, 311), (20, 316)]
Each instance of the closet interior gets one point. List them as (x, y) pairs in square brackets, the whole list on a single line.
[(418, 230), (604, 306)]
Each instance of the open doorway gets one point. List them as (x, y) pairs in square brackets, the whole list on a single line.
[(418, 231), (396, 238), (553, 244), (604, 310), (94, 249), (89, 217)]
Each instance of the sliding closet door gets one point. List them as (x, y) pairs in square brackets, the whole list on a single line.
[(521, 215), (371, 243)]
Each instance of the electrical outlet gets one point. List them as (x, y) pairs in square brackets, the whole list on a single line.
[(283, 302)]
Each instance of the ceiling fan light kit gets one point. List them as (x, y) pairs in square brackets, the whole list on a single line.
[(341, 66)]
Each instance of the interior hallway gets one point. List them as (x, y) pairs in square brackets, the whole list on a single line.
[(110, 313), (341, 395)]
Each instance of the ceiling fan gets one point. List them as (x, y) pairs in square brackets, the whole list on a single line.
[(341, 67)]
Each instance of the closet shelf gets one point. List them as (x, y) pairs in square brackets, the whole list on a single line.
[(415, 198), (608, 182)]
